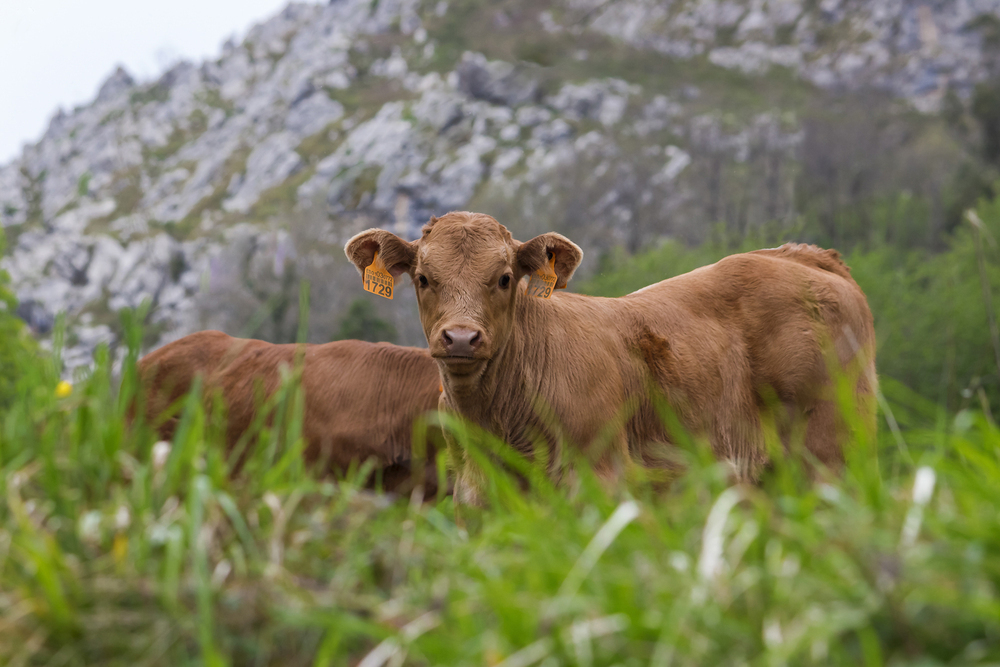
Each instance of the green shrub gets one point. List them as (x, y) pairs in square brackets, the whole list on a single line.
[(18, 350), (361, 322), (930, 315), (985, 109), (619, 273)]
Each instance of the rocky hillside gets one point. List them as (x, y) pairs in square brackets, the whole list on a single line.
[(618, 121)]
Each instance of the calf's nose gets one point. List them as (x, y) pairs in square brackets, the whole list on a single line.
[(461, 342)]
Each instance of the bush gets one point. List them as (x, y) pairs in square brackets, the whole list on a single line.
[(985, 109), (18, 350), (931, 318), (361, 322)]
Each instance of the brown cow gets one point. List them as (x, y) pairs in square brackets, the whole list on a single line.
[(361, 399), (722, 343)]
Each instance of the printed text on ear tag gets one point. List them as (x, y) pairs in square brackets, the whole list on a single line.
[(543, 281), (377, 279)]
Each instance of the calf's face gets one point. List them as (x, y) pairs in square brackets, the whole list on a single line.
[(466, 268)]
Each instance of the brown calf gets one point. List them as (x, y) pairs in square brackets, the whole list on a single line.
[(721, 343), (361, 399)]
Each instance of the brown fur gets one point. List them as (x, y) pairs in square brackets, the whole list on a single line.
[(754, 333), (361, 399)]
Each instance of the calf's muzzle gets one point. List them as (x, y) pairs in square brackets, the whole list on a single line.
[(461, 342)]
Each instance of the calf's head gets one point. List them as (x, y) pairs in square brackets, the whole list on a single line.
[(466, 269)]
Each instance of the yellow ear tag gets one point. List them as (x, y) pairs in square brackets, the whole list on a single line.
[(378, 280), (543, 281)]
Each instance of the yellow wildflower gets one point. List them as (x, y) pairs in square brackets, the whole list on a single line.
[(64, 389)]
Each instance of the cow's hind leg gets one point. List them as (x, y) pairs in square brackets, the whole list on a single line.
[(738, 437), (831, 426), (739, 441), (823, 434), (611, 466)]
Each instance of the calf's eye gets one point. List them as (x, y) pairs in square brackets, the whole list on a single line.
[(422, 280), (504, 281)]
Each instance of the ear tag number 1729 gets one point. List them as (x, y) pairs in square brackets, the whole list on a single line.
[(378, 280), (543, 281)]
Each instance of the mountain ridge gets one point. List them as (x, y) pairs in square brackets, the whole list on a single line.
[(612, 119)]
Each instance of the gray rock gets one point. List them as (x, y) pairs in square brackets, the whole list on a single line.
[(270, 163), (496, 81), (551, 133), (313, 114), (36, 316), (876, 40), (119, 82)]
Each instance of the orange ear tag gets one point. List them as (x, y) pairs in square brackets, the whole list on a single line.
[(378, 280), (543, 281)]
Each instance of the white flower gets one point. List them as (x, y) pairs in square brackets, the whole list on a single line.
[(161, 451), (122, 518), (89, 526), (923, 488)]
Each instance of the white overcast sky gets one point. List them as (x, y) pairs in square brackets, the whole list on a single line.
[(57, 52)]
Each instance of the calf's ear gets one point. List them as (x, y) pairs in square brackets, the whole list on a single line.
[(397, 255), (536, 253)]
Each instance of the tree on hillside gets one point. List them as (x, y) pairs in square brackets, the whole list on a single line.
[(986, 110)]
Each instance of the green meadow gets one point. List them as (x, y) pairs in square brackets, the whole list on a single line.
[(119, 550)]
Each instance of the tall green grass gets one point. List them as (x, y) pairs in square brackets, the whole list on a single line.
[(118, 550)]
